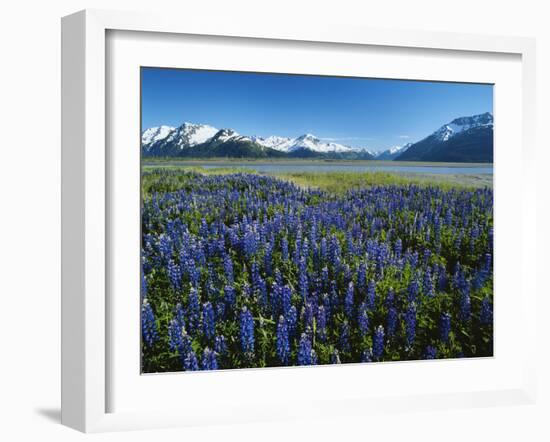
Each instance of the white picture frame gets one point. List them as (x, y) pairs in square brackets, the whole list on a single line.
[(86, 211)]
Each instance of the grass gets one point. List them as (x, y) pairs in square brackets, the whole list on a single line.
[(198, 169), (339, 182)]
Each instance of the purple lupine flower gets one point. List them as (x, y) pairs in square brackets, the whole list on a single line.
[(390, 298), (304, 350), (413, 260), (430, 353), (284, 249), (486, 313), (398, 248), (174, 274), (268, 258), (412, 291), (325, 277), (193, 311), (362, 277), (228, 269), (208, 321), (327, 305), (229, 296), (448, 217), (220, 310), (321, 324), (190, 362), (302, 278), (209, 360), (445, 327), (179, 315), (247, 291), (291, 320), (410, 324), (203, 229), (343, 339), (378, 343), (165, 248), (363, 319), (428, 285), (255, 274), (348, 301), (249, 243), (313, 357), (308, 313), (174, 335), (261, 291), (148, 324), (371, 295), (347, 274), (465, 302), (282, 341), (459, 279), (324, 249), (442, 280), (366, 355), (247, 331), (143, 285), (185, 344), (335, 237), (286, 299), (192, 272), (335, 357), (391, 321), (220, 345)]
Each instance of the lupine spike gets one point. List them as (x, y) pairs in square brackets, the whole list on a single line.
[(378, 343), (148, 324)]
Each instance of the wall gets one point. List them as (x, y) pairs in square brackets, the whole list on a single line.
[(30, 215)]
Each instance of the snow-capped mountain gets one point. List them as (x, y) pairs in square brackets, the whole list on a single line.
[(462, 124), (392, 152), (224, 135), (306, 141), (464, 140), (189, 134), (154, 134), (169, 141), (282, 144)]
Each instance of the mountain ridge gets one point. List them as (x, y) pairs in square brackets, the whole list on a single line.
[(464, 139), (200, 140)]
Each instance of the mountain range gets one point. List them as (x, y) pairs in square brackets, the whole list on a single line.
[(465, 139)]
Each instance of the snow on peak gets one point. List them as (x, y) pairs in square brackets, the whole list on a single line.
[(306, 141), (154, 134), (462, 124), (311, 142), (393, 151), (224, 135), (282, 144), (189, 134)]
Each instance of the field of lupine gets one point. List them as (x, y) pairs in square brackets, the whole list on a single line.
[(245, 270)]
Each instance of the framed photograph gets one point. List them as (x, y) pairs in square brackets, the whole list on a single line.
[(277, 223)]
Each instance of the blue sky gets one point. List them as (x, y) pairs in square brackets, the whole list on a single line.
[(370, 113)]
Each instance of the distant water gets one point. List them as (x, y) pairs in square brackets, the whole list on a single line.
[(275, 167)]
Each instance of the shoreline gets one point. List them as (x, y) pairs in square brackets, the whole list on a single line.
[(298, 162)]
